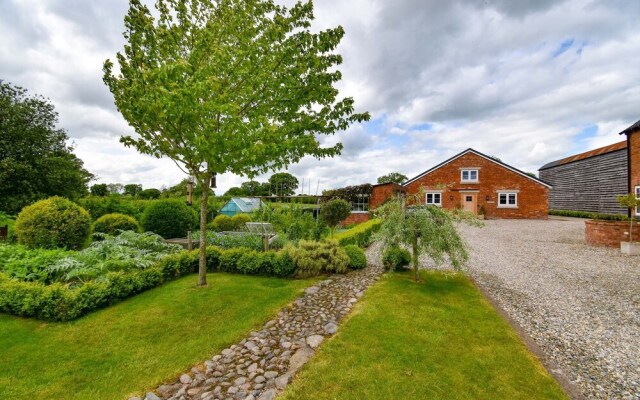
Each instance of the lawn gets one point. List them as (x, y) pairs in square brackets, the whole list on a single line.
[(439, 339), (137, 344)]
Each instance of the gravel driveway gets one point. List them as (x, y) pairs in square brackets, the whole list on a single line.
[(580, 304)]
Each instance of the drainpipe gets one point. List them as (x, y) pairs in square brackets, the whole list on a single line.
[(630, 190)]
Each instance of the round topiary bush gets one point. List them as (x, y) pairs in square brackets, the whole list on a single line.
[(53, 222), (222, 223), (357, 259), (239, 221), (396, 259), (111, 224), (169, 218)]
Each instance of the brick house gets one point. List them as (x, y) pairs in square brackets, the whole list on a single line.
[(480, 184), (633, 159)]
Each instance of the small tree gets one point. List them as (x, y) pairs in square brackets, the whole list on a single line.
[(334, 211), (393, 177), (424, 229), (100, 189), (132, 189), (632, 203)]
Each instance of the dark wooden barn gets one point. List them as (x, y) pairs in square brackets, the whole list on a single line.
[(588, 181)]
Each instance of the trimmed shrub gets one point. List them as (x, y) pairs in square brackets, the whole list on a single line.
[(221, 223), (53, 223), (361, 235), (590, 215), (169, 218), (357, 258), (334, 211), (239, 221), (111, 224), (396, 258), (314, 258)]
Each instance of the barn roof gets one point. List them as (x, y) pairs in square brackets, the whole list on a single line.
[(507, 166), (633, 128), (587, 154)]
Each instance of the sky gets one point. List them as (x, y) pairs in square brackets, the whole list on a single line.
[(526, 81)]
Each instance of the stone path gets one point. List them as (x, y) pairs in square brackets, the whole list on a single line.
[(262, 364)]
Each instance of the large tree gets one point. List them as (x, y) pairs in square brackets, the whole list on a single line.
[(283, 184), (35, 160), (241, 86)]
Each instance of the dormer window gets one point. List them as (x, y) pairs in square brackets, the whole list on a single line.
[(469, 175)]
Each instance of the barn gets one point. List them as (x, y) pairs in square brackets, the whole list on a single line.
[(477, 183), (589, 181)]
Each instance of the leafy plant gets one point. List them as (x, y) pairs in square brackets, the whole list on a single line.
[(222, 223), (425, 229), (396, 258), (114, 223), (169, 218), (314, 258), (25, 264), (334, 211), (632, 203), (53, 223), (239, 221), (357, 258)]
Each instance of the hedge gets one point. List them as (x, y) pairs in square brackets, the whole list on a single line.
[(60, 302), (590, 215), (360, 235)]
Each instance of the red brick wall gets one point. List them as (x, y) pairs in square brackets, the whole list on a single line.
[(382, 192), (355, 218), (608, 233), (634, 160), (532, 196)]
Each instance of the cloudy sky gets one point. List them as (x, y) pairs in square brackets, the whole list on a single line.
[(526, 81)]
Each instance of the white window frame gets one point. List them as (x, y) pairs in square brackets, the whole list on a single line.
[(637, 190), (508, 194), (433, 193), (361, 204), (469, 171)]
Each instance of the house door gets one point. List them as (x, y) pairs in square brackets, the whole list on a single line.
[(470, 202)]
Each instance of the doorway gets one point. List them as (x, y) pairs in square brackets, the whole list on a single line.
[(470, 202)]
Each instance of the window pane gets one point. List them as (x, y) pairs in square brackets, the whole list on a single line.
[(469, 198), (503, 198), (473, 175), (436, 198), (465, 175), (429, 198), (512, 199)]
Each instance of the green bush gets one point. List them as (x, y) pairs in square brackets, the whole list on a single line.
[(169, 218), (21, 263), (314, 258), (396, 258), (357, 258), (99, 206), (334, 211), (53, 223), (239, 221), (111, 224), (361, 235), (222, 223), (590, 215)]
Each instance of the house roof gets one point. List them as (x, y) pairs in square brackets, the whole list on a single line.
[(633, 128), (247, 204), (587, 154), (467, 151)]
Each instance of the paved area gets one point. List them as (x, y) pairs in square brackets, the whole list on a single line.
[(262, 364), (580, 304)]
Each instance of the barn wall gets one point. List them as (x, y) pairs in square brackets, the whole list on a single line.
[(590, 184)]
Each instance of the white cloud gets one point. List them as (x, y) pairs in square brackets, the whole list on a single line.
[(516, 79)]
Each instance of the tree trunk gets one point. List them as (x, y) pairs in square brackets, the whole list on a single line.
[(414, 246), (202, 264)]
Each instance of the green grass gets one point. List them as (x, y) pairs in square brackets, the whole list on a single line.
[(139, 343), (439, 339)]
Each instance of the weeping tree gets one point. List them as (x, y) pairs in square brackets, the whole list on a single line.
[(427, 230), (240, 86)]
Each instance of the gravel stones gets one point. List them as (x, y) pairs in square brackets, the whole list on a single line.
[(262, 364), (580, 304)]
